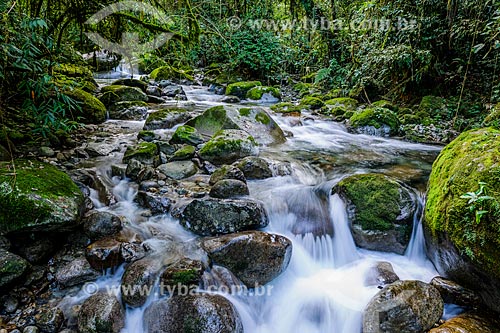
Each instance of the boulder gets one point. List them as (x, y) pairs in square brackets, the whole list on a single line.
[(227, 172), (131, 83), (50, 319), (255, 257), (97, 224), (254, 120), (92, 111), (75, 272), (240, 89), (12, 267), (166, 118), (178, 170), (453, 293), (270, 94), (138, 279), (380, 211), (470, 322), (375, 121), (403, 307), (255, 168), (184, 153), (144, 152), (113, 94), (171, 73), (128, 110), (462, 213), (229, 188), (101, 313), (184, 272), (193, 313), (157, 203), (38, 197), (228, 146), (186, 135), (213, 216), (381, 274), (104, 253)]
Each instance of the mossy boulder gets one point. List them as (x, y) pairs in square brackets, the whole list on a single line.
[(435, 107), (380, 211), (70, 74), (184, 153), (493, 118), (375, 121), (312, 103), (36, 196), (12, 267), (144, 152), (385, 104), (92, 111), (256, 93), (303, 89), (147, 136), (186, 135), (128, 110), (171, 73), (228, 146), (346, 102), (240, 89), (287, 109), (112, 94), (166, 118), (462, 222), (101, 312), (254, 120), (131, 83), (332, 94)]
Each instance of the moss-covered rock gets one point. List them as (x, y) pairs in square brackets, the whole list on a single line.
[(128, 110), (37, 196), (12, 267), (380, 210), (184, 153), (346, 102), (332, 94), (435, 107), (171, 73), (228, 146), (493, 118), (131, 83), (240, 89), (303, 89), (186, 135), (376, 118), (385, 104), (312, 103), (287, 109), (92, 111), (256, 93), (462, 222), (166, 118), (147, 136), (144, 152), (112, 94)]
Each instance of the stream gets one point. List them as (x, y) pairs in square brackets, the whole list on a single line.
[(323, 289)]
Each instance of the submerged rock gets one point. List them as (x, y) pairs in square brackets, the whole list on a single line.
[(255, 257), (194, 313), (403, 307), (228, 146), (380, 211), (462, 244), (212, 216), (101, 313), (38, 197)]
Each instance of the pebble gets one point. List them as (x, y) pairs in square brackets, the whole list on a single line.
[(31, 329), (161, 183)]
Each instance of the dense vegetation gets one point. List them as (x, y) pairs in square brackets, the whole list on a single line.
[(370, 50)]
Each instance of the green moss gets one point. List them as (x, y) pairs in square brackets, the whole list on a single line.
[(241, 89), (92, 109), (245, 112), (227, 146), (74, 71), (146, 135), (113, 94), (375, 117), (212, 121), (332, 94), (171, 73), (163, 113), (435, 107), (376, 198), (309, 78), (186, 277), (286, 108), (346, 102), (35, 195), (143, 151), (312, 102), (471, 158), (256, 93), (184, 153), (386, 105), (263, 118), (493, 118), (186, 135)]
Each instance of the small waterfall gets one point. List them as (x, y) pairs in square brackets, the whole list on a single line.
[(416, 248), (344, 249)]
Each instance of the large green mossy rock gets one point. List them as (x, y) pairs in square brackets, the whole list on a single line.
[(113, 94), (37, 196), (384, 121), (241, 89), (463, 230), (92, 111), (171, 73), (166, 118), (256, 93), (254, 120), (70, 74), (228, 146), (380, 211)]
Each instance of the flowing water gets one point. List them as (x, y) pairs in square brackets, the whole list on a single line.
[(323, 288)]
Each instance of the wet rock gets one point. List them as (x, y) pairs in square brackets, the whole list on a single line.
[(375, 121), (139, 277), (12, 267), (45, 199), (404, 306), (35, 250), (255, 120), (229, 188), (9, 303), (184, 153), (453, 293), (381, 274), (208, 217), (230, 99), (47, 152), (131, 252), (187, 135), (131, 83), (97, 224), (240, 89), (128, 110), (49, 320), (469, 323), (178, 170), (380, 211), (134, 167), (255, 257), (194, 313), (227, 172), (153, 91), (101, 313), (228, 146), (31, 329), (166, 118), (104, 253), (173, 91), (185, 272), (75, 272), (255, 168), (155, 99), (115, 93), (157, 203), (96, 149), (144, 152)]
